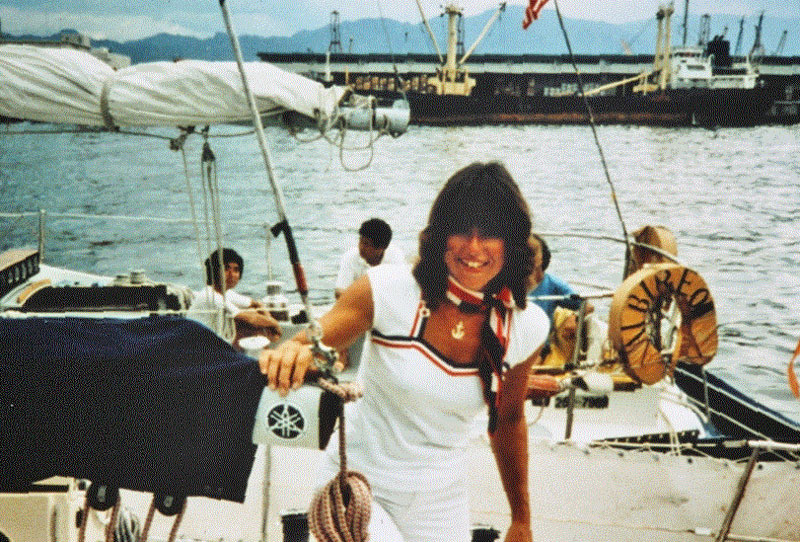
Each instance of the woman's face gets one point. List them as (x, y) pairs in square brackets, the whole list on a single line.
[(474, 259)]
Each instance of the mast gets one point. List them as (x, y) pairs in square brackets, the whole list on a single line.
[(685, 20), (666, 49), (453, 77), (453, 13)]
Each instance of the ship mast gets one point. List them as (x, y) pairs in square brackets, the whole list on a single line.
[(665, 15), (452, 77), (662, 60)]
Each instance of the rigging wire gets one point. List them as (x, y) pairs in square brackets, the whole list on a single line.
[(399, 80), (178, 144), (641, 31), (593, 126)]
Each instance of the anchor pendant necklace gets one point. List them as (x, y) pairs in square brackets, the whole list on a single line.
[(458, 331)]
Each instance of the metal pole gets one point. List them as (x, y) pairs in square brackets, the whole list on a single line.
[(573, 364), (283, 224), (42, 214), (314, 332), (737, 498)]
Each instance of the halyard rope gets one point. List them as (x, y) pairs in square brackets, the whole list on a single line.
[(340, 511), (593, 126)]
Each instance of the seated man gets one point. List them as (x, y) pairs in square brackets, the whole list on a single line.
[(546, 287), (230, 314), (373, 249), (559, 301)]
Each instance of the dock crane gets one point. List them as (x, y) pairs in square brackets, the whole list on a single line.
[(781, 43), (739, 37), (757, 52), (705, 30)]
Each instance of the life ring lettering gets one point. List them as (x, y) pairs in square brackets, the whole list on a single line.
[(659, 315), (286, 421)]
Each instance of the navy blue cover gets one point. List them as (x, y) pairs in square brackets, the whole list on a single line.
[(158, 404)]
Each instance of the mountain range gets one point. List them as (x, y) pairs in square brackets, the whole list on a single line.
[(544, 36)]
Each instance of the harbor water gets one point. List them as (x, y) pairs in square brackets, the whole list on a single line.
[(731, 196)]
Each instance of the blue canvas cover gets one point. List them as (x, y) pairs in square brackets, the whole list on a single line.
[(158, 404)]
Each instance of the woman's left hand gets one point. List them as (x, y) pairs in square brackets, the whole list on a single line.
[(519, 532)]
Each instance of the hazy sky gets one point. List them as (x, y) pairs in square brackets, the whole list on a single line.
[(130, 19)]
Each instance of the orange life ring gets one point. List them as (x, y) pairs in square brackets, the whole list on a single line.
[(638, 319)]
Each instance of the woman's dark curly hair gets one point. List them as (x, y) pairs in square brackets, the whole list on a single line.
[(482, 196)]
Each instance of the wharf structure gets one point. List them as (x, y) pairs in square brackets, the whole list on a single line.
[(75, 41), (522, 75)]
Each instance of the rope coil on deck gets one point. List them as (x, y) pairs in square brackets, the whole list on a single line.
[(340, 511)]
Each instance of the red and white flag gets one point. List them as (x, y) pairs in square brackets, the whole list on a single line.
[(532, 12)]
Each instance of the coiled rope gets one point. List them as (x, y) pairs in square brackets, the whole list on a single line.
[(340, 511)]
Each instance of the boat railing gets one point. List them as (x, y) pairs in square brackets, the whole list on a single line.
[(43, 214), (707, 407)]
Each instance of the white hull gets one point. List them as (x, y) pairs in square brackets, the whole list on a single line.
[(606, 495), (577, 493)]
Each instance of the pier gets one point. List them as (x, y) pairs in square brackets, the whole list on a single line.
[(544, 75)]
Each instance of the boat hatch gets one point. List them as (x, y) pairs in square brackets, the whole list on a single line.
[(148, 297)]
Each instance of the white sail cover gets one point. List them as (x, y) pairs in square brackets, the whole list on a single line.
[(68, 86)]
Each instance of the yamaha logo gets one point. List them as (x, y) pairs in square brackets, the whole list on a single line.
[(286, 421)]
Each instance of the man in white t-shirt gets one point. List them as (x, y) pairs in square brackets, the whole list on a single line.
[(230, 314), (373, 249)]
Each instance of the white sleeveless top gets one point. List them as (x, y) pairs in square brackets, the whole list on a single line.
[(412, 427)]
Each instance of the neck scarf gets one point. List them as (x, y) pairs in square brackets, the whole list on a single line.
[(494, 337)]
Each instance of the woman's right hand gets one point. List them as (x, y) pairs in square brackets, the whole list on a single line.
[(286, 366)]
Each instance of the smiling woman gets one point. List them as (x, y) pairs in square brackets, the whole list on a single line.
[(446, 340), (474, 259)]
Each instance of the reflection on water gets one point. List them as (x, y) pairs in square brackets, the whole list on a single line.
[(731, 197)]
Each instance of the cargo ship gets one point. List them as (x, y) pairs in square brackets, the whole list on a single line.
[(678, 86)]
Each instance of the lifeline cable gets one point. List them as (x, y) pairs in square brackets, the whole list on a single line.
[(596, 138)]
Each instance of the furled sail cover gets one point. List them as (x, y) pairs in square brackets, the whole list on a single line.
[(158, 404), (60, 85)]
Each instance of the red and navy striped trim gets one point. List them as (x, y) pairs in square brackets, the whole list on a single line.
[(428, 351)]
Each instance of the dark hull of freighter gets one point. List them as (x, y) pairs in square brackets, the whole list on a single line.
[(672, 107)]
